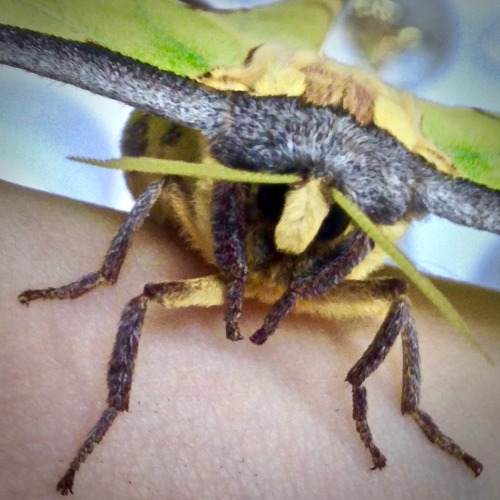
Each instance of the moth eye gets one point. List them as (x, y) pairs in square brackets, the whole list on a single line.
[(334, 224), (271, 200), (135, 137), (171, 136)]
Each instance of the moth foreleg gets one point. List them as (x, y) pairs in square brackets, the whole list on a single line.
[(114, 258), (320, 276), (229, 226)]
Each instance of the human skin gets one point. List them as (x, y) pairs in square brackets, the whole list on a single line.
[(210, 418)]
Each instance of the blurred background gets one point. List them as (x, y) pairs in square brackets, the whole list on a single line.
[(447, 51)]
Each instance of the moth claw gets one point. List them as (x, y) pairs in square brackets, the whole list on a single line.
[(24, 298), (65, 485), (234, 334), (259, 337)]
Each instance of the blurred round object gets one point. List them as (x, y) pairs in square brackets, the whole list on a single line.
[(406, 42)]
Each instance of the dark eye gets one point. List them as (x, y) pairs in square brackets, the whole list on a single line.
[(172, 135), (270, 201), (334, 224), (135, 137)]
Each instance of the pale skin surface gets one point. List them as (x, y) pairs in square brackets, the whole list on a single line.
[(210, 418)]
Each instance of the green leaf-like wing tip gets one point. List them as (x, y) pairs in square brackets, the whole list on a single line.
[(422, 282), (471, 137), (207, 170)]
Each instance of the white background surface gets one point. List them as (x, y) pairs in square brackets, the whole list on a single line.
[(42, 122)]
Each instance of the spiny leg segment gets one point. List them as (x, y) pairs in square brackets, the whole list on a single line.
[(115, 255), (399, 320), (208, 291)]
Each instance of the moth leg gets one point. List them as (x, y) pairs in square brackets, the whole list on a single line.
[(399, 320), (120, 370), (319, 277), (229, 226), (395, 320), (113, 260), (410, 402), (208, 291)]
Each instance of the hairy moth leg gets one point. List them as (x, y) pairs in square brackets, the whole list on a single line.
[(121, 367), (410, 402), (115, 255), (321, 275), (399, 320), (204, 292), (229, 227)]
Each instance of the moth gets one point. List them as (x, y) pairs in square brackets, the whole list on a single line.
[(290, 247)]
